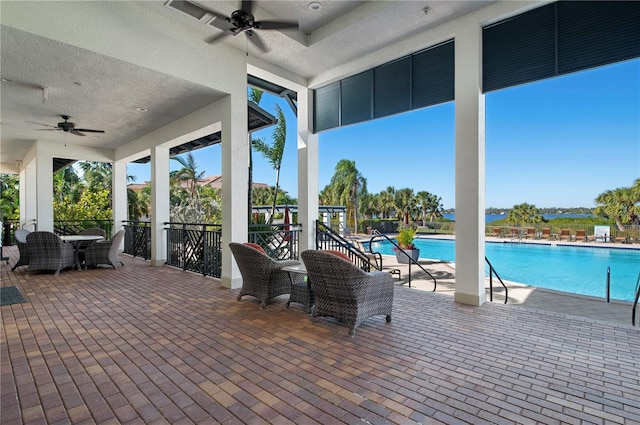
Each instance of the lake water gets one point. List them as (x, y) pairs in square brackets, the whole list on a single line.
[(493, 217)]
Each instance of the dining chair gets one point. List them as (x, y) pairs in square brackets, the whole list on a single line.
[(48, 252), (104, 252), (21, 239)]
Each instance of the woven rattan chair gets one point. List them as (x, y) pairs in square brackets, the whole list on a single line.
[(345, 292), (21, 240), (48, 252), (82, 245), (262, 276), (104, 252)]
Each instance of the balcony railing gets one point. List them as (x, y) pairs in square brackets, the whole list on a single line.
[(197, 246)]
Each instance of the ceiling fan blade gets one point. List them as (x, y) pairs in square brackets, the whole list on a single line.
[(48, 129), (257, 41), (275, 25), (87, 130), (217, 37), (46, 125), (247, 6), (77, 133)]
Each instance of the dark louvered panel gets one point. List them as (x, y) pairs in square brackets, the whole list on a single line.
[(595, 33), (357, 97), (520, 49), (326, 102), (392, 88), (433, 75)]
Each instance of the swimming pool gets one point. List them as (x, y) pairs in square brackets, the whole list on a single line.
[(579, 270)]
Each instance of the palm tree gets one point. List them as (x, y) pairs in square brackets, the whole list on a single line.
[(430, 206), (274, 152), (188, 175), (524, 214), (405, 203), (386, 202), (255, 96), (621, 205), (97, 175), (347, 185), (368, 205)]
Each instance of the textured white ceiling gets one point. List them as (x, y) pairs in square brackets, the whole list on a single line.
[(101, 92)]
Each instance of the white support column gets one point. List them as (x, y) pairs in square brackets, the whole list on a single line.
[(44, 188), (234, 181), (119, 191), (307, 171), (470, 166), (159, 204), (28, 195)]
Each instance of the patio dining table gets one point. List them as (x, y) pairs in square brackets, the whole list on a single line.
[(75, 241)]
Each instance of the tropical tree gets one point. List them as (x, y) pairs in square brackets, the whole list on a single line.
[(405, 203), (9, 195), (97, 175), (430, 206), (347, 185), (524, 214), (621, 204), (188, 175), (255, 96), (386, 202), (368, 205), (274, 152), (67, 186)]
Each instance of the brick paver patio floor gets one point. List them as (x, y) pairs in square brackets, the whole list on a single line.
[(151, 345)]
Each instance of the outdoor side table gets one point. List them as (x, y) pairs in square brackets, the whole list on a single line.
[(301, 292)]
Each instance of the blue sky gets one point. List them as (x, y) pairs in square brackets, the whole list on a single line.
[(554, 143)]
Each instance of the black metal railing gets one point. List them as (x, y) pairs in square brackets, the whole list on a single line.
[(400, 251), (327, 239), (279, 241), (74, 227), (492, 272), (137, 239), (195, 247)]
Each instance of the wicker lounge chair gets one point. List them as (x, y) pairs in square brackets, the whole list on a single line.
[(104, 252), (21, 239), (48, 252), (345, 292), (262, 276)]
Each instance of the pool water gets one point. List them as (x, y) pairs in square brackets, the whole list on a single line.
[(578, 270)]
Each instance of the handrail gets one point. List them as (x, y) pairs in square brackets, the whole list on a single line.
[(342, 244), (635, 302), (411, 260), (493, 271)]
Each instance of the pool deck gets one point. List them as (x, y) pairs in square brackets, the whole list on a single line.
[(618, 312)]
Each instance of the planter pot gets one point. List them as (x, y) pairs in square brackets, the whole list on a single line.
[(413, 253)]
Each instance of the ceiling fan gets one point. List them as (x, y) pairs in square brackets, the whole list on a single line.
[(68, 127), (242, 20)]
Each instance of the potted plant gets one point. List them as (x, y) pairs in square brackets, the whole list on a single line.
[(405, 239)]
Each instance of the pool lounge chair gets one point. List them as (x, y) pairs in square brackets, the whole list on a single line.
[(565, 234), (581, 235), (546, 233)]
